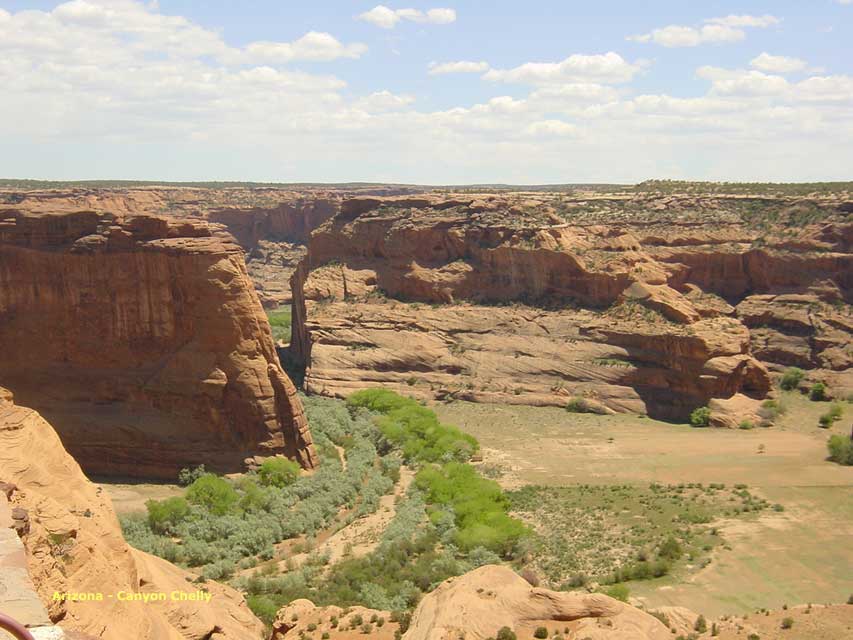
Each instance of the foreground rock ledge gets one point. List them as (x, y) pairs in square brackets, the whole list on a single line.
[(144, 344), (477, 605), (74, 545)]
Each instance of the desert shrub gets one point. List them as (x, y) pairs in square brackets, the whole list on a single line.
[(825, 421), (505, 633), (792, 378), (840, 449), (263, 607), (670, 549), (414, 428), (787, 623), (817, 392), (700, 417), (187, 476), (480, 556), (836, 410), (165, 515), (701, 625), (578, 405), (746, 425), (215, 494), (541, 633), (278, 472), (771, 409)]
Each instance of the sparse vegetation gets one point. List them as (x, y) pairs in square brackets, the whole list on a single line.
[(817, 392), (841, 449), (792, 378), (280, 324), (700, 417)]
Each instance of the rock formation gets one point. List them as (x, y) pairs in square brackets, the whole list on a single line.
[(636, 304), (74, 546), (143, 343), (477, 605)]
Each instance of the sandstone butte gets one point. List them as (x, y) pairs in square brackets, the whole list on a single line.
[(74, 544), (478, 604), (142, 341)]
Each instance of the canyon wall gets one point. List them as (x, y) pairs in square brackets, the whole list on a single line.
[(624, 304), (142, 341), (74, 545)]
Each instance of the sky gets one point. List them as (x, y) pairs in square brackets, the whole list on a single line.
[(444, 92)]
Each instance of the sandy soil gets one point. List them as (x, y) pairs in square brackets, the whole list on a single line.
[(131, 498), (798, 556)]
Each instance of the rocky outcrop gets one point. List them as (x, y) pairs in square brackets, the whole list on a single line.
[(74, 547), (634, 305), (302, 617), (142, 341)]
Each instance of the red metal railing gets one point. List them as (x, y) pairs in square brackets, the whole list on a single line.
[(15, 628)]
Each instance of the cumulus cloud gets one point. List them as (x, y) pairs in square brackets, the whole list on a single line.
[(314, 46), (551, 128), (777, 64), (382, 16), (384, 101), (461, 66), (715, 30), (93, 79), (605, 68)]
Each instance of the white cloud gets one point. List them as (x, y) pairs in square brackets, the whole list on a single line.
[(777, 64), (742, 83), (461, 66), (383, 101), (551, 128), (382, 16), (314, 46), (715, 30), (606, 68), (746, 21), (845, 1)]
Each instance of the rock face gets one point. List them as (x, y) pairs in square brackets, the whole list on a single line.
[(74, 546), (142, 341), (483, 601), (509, 300), (478, 604)]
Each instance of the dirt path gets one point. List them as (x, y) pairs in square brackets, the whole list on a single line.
[(362, 536)]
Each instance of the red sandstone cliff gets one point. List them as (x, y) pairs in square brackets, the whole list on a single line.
[(74, 545), (142, 341), (643, 304)]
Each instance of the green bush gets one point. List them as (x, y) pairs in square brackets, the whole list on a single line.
[(541, 633), (670, 550), (825, 421), (415, 428), (840, 449), (213, 493), (700, 417), (835, 411), (792, 378), (817, 392), (479, 507), (278, 472), (187, 475), (263, 607), (165, 515), (578, 405), (787, 623), (746, 425), (505, 633), (701, 625)]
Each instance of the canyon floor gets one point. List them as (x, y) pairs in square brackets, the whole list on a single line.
[(799, 555)]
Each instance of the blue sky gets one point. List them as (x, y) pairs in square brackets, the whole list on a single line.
[(448, 92)]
